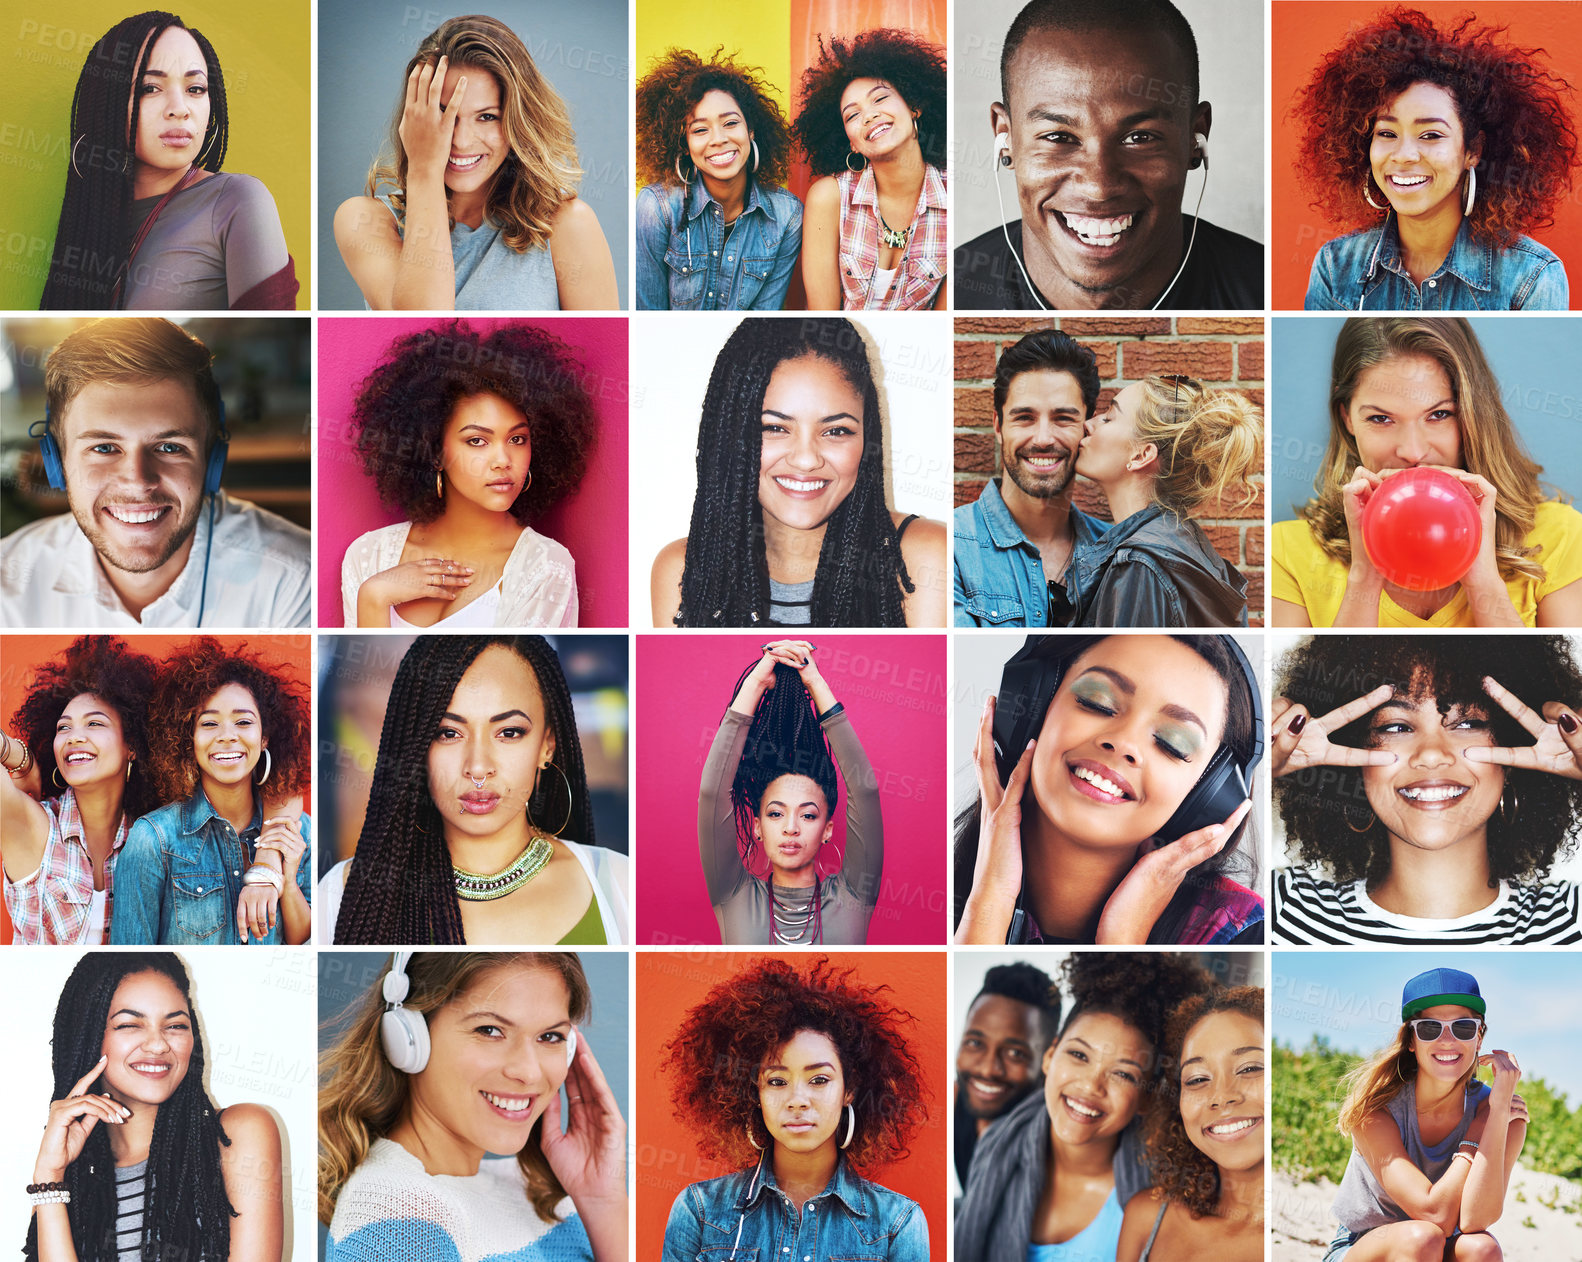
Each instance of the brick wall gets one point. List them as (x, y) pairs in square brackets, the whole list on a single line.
[(1220, 351)]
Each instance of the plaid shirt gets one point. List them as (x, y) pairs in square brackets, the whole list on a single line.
[(52, 905), (922, 267)]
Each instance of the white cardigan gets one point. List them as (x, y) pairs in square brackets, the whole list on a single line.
[(537, 589)]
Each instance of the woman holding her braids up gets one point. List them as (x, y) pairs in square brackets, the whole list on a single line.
[(790, 525), (477, 792), (149, 221), (135, 1161), (768, 799)]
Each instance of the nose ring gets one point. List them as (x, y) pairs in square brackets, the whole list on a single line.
[(477, 781)]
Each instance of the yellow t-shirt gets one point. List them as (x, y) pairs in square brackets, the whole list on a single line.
[(1305, 576)]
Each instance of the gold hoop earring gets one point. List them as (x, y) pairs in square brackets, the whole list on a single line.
[(750, 1138), (439, 485), (59, 783), (1368, 828), (858, 170), (1509, 817), (1367, 195), (566, 780)]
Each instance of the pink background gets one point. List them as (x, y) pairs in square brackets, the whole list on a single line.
[(893, 687), (591, 522)]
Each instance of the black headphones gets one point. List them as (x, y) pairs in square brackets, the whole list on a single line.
[(1027, 687)]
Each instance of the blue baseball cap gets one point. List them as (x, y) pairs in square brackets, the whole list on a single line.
[(1441, 985)]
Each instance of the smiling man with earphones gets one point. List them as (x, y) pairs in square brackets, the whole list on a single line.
[(1099, 123), (134, 433)]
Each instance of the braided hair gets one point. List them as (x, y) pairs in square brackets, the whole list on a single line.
[(94, 236), (783, 739), (186, 1213), (725, 577), (402, 888)]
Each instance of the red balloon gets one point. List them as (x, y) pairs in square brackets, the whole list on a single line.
[(1422, 529)]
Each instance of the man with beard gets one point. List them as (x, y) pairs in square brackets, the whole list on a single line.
[(1013, 545), (1000, 1059), (134, 434)]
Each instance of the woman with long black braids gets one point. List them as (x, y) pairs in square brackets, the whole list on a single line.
[(477, 793), (768, 799), (136, 1159), (790, 526)]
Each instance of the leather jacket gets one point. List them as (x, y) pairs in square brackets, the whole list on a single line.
[(1155, 569)]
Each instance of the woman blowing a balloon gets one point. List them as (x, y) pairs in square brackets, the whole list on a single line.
[(1407, 394)]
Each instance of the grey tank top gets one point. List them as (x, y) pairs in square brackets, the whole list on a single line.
[(491, 276), (791, 604), (130, 1184), (1361, 1204)]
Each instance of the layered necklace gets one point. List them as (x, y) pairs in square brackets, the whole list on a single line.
[(484, 887), (795, 923)]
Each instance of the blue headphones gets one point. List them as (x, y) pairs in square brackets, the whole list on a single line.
[(55, 467), (1027, 687)]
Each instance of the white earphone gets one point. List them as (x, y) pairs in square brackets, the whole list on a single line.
[(404, 1032)]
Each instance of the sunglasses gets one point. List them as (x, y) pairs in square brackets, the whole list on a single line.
[(1463, 1029), (1178, 380)]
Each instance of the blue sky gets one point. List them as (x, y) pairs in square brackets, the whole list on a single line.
[(1354, 999)]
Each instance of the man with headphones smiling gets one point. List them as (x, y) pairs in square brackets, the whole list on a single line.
[(135, 436), (1099, 121)]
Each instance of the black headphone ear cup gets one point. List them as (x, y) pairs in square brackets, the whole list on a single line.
[(1219, 791)]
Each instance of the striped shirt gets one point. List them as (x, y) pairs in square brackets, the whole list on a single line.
[(1315, 912), (924, 261), (131, 1185)]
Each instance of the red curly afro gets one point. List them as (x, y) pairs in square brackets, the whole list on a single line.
[(1503, 93), (714, 1058), (191, 677), (1181, 1170)]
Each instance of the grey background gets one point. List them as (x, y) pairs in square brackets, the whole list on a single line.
[(1230, 40), (1533, 357), (364, 45)]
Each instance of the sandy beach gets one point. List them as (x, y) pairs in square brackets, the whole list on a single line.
[(1542, 1222)]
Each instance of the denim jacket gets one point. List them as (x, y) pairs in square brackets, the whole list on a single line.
[(999, 573), (851, 1220), (1363, 271), (681, 237), (180, 876)]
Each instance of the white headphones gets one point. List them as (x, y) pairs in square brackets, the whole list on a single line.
[(404, 1032)]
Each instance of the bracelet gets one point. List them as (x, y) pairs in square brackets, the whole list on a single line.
[(1460, 1153), (262, 874), (23, 767), (48, 1194), (45, 1187), (1468, 1143)]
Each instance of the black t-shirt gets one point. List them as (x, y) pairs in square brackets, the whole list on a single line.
[(1225, 273)]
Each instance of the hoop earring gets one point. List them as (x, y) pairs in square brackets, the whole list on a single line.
[(59, 783), (439, 485), (1472, 190), (850, 154), (74, 145), (129, 763), (566, 780), (1367, 195), (685, 180), (529, 482), (1368, 828), (269, 765), (851, 1126), (1509, 817), (755, 154), (750, 1138)]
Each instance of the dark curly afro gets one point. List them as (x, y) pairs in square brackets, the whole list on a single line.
[(715, 1056), (673, 86), (1504, 93), (194, 674), (1141, 988), (404, 405), (1182, 1171), (115, 673), (1325, 809), (912, 66)]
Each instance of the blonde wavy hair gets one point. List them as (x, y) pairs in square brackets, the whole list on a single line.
[(542, 170), (362, 1096), (1490, 446), (1378, 1080), (1209, 441)]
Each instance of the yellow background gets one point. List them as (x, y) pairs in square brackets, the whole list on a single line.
[(264, 52)]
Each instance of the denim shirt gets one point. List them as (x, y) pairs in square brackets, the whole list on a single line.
[(179, 877), (999, 573), (1363, 271), (684, 262), (851, 1220)]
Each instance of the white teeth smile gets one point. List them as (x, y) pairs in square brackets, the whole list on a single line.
[(1098, 231), (510, 1103), (79, 756), (1044, 463), (227, 757), (794, 484), (1231, 1128), (1099, 782), (1445, 794), (722, 159), (1080, 1109), (987, 1088), (1450, 1059), (136, 517), (151, 1070), (1408, 181), (466, 164), (878, 131)]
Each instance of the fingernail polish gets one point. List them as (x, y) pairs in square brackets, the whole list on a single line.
[(1568, 723), (1297, 724)]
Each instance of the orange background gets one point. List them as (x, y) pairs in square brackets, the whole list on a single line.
[(1303, 32), (667, 1159), (290, 652)]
